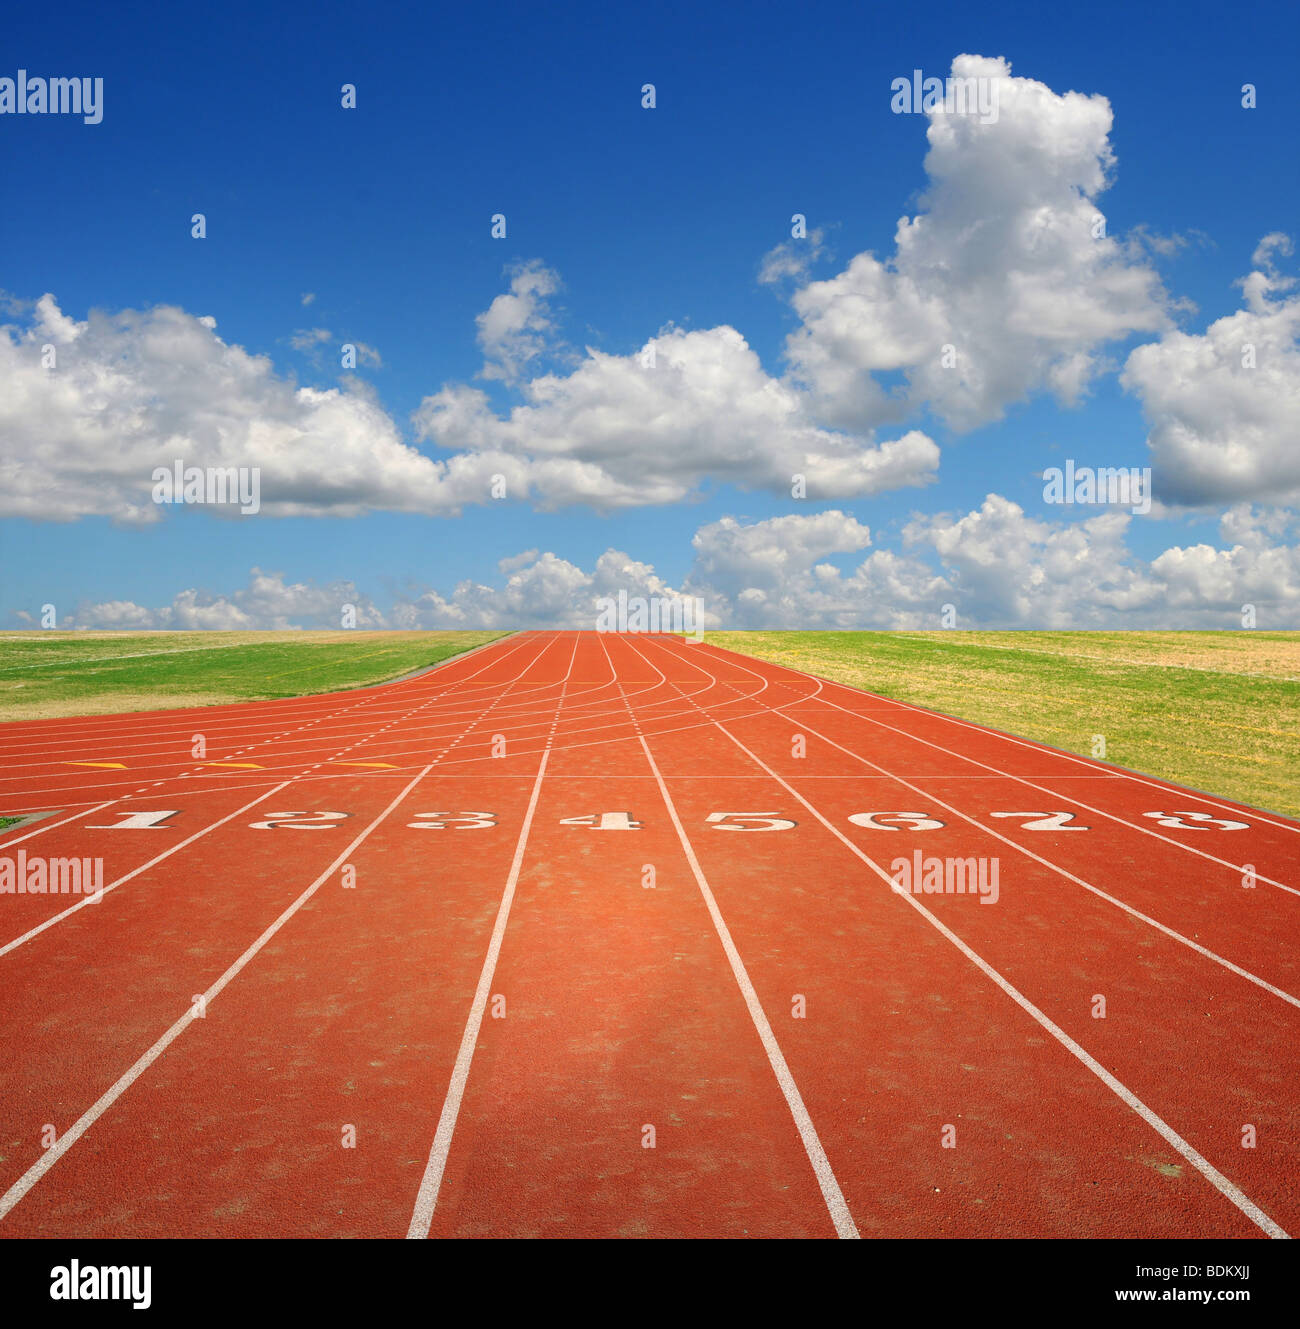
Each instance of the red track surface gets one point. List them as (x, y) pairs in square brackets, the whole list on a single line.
[(508, 1009)]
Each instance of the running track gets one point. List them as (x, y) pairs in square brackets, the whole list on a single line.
[(461, 986)]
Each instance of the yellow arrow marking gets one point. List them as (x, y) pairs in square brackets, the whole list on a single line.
[(244, 765), (107, 765), (387, 765)]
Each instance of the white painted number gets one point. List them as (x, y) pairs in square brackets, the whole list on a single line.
[(915, 821), (298, 821), (729, 821), (1044, 821), (138, 821), (604, 821), (437, 821), (1195, 821)]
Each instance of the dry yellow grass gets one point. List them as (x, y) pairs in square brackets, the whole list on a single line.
[(1218, 711)]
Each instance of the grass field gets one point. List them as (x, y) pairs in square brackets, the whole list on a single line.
[(1218, 711), (49, 674), (1215, 710)]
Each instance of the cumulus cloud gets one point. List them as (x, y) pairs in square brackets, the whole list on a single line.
[(791, 261), (1224, 405), (266, 602), (1006, 265), (514, 329), (540, 590), (1254, 569), (731, 556), (143, 388), (308, 339), (997, 566), (619, 431), (775, 573), (140, 389), (1008, 569)]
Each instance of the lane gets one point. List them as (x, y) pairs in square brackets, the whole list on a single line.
[(65, 772), (121, 840), (87, 998), (1227, 1053), (345, 1021), (1111, 788), (473, 1036), (624, 1091), (1227, 908)]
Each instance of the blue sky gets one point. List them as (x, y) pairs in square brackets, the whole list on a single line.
[(648, 223)]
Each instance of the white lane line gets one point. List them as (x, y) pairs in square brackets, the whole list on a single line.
[(1157, 1123), (98, 895), (836, 1205), (257, 716), (182, 718), (1055, 867), (830, 1188), (404, 709), (422, 746), (106, 1100), (40, 830), (1165, 786), (1068, 798), (1152, 1119), (426, 1200), (801, 722)]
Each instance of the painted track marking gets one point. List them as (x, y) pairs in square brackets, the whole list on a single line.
[(426, 1200), (1216, 1178)]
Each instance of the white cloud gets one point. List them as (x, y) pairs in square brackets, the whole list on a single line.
[(139, 389), (514, 561), (731, 557), (791, 260), (266, 602), (774, 574), (514, 328), (1009, 569), (308, 339), (1222, 431), (135, 390), (997, 566), (1003, 265), (541, 590), (616, 433), (1252, 570)]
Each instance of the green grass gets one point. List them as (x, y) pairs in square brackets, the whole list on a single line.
[(95, 673), (6, 822), (1218, 711)]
